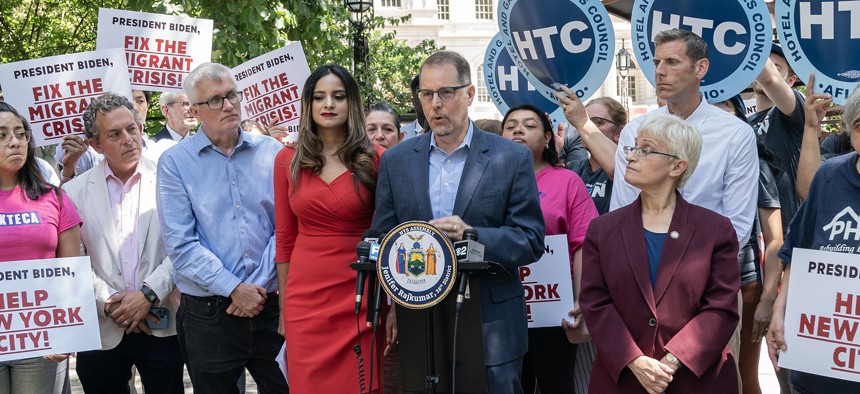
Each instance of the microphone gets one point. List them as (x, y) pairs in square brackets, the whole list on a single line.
[(373, 283), (467, 251), (374, 246), (362, 251)]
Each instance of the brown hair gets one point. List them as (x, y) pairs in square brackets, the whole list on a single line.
[(357, 152)]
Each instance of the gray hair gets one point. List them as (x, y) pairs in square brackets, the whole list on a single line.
[(851, 109), (168, 98), (210, 71), (464, 73), (681, 138), (384, 107), (697, 48), (102, 105)]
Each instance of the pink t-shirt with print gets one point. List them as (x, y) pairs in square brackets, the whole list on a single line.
[(29, 229), (567, 207)]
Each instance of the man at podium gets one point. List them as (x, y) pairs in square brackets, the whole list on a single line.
[(459, 177)]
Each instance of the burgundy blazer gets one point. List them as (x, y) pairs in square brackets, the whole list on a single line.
[(691, 311)]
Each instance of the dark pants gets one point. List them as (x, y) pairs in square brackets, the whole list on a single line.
[(550, 361), (505, 378), (219, 346), (157, 360)]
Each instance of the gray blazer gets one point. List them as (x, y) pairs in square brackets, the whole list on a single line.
[(498, 197)]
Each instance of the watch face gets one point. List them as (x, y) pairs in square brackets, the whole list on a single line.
[(672, 359), (149, 294)]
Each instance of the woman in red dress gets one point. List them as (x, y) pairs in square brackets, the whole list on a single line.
[(324, 199)]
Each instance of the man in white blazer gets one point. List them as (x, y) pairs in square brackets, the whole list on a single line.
[(132, 274)]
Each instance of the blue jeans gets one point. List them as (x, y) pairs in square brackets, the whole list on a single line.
[(219, 346), (28, 376)]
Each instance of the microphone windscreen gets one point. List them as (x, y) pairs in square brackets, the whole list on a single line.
[(363, 249), (370, 233)]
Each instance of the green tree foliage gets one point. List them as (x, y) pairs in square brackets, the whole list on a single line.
[(31, 29), (247, 29), (243, 30)]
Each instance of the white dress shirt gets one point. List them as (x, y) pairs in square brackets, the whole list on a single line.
[(726, 178)]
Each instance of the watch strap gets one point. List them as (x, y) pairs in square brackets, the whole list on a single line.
[(150, 295)]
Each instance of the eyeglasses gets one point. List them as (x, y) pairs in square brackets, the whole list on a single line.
[(644, 152), (598, 121), (186, 104), (445, 94), (216, 103), (6, 138)]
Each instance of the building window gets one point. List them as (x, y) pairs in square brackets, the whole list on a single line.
[(631, 87), (391, 3), (443, 9), (484, 9), (483, 94)]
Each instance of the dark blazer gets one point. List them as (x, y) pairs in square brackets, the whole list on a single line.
[(691, 311), (498, 197), (163, 134)]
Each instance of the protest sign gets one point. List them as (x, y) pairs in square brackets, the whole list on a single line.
[(822, 314), (738, 34), (53, 92), (573, 45), (160, 49), (272, 86), (47, 307), (508, 87), (822, 37), (547, 283)]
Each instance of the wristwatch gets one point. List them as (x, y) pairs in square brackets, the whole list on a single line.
[(149, 294), (674, 360)]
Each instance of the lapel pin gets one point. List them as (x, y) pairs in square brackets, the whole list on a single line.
[(674, 235)]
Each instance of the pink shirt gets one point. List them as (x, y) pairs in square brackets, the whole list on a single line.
[(29, 229), (567, 207), (125, 211)]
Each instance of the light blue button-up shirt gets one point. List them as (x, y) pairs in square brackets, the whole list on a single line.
[(445, 173), (217, 213)]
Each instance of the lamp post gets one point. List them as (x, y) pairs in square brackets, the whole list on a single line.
[(623, 66), (361, 12)]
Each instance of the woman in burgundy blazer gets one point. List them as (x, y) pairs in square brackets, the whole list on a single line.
[(661, 318)]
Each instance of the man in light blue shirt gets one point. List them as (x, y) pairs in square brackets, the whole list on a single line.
[(215, 200), (445, 173), (457, 176)]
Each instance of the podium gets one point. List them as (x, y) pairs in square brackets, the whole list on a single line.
[(441, 350), (424, 370), (419, 329)]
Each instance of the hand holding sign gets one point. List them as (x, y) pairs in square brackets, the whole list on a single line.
[(823, 40), (576, 331), (573, 45), (816, 104), (775, 337), (574, 110)]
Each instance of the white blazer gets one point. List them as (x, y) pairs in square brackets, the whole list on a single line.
[(89, 193)]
